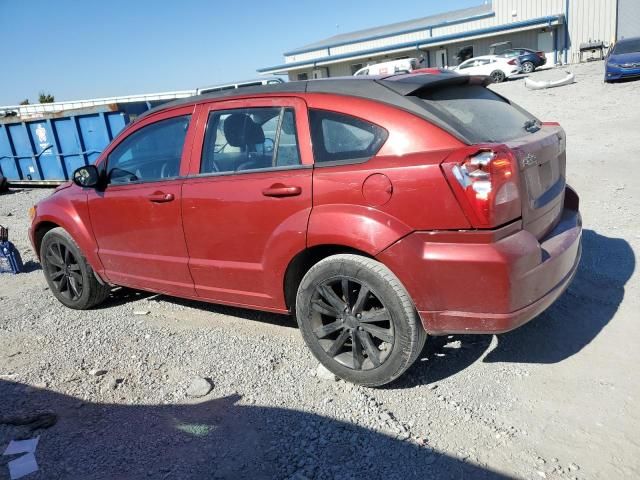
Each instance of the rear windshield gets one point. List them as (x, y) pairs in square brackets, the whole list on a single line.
[(479, 114), (629, 46)]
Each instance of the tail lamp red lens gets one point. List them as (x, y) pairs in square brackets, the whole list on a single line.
[(512, 62), (486, 184)]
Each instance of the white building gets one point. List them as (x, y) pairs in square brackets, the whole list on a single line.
[(557, 27)]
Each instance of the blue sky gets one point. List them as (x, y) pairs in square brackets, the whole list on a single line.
[(97, 48)]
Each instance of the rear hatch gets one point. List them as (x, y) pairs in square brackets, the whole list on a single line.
[(542, 164), (481, 117)]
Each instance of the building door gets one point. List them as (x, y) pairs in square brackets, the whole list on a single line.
[(441, 58), (546, 45)]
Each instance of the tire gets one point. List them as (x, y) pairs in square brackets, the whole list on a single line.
[(380, 320), (70, 277), (528, 67), (498, 76)]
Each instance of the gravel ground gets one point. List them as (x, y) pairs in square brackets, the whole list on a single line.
[(554, 399)]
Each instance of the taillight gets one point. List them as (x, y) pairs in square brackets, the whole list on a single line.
[(541, 54), (512, 62), (486, 184)]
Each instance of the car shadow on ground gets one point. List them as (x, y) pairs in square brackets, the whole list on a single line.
[(570, 324), (217, 439)]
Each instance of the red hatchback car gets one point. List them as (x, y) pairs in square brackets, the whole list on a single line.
[(379, 210)]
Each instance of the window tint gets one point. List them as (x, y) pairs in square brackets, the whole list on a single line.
[(151, 153), (250, 139), (342, 138), (479, 114)]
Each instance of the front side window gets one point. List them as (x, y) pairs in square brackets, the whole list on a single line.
[(250, 139), (149, 154), (337, 137)]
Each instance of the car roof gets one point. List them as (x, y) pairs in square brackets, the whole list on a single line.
[(395, 90)]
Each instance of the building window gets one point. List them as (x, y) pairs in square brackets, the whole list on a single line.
[(303, 76), (355, 67), (465, 53)]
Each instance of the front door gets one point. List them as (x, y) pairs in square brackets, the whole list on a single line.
[(248, 199), (137, 218)]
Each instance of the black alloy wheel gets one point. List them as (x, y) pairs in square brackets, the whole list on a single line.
[(351, 323), (64, 270), (358, 320), (70, 277)]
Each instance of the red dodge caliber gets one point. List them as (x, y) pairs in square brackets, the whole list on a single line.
[(378, 210)]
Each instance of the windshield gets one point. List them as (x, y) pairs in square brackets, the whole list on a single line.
[(629, 46)]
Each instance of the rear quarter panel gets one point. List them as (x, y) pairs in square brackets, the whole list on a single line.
[(420, 198)]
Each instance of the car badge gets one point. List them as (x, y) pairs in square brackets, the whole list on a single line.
[(529, 160)]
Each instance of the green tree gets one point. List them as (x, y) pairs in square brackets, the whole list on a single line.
[(46, 97), (25, 102)]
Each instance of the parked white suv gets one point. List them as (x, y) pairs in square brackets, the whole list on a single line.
[(498, 68)]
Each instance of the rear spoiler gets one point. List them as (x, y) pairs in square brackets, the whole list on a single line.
[(413, 84)]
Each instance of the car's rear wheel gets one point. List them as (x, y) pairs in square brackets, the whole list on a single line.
[(70, 277), (358, 320), (528, 67), (498, 76)]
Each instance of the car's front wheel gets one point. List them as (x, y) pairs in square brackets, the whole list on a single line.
[(358, 320), (498, 76), (528, 67), (69, 275)]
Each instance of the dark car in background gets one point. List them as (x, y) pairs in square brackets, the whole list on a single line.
[(529, 59), (623, 60)]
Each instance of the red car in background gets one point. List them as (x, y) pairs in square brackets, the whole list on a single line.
[(378, 210)]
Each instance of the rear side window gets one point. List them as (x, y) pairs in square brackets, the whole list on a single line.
[(479, 114), (151, 153), (342, 138)]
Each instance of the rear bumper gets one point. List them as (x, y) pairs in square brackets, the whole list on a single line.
[(489, 284)]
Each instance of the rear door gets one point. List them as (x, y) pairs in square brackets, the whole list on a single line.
[(137, 219), (247, 201)]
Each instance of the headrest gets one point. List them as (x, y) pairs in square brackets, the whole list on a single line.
[(241, 131)]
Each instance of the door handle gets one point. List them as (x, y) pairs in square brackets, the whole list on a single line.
[(160, 197), (280, 190)]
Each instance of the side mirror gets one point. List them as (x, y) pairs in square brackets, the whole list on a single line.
[(87, 176)]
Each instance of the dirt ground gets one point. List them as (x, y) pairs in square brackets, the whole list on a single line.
[(556, 399)]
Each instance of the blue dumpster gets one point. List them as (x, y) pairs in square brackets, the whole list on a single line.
[(46, 150)]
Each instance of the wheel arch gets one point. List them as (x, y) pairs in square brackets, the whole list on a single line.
[(80, 234), (304, 260)]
